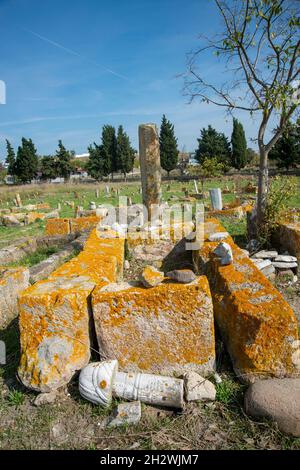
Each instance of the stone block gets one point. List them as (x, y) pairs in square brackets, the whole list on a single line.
[(12, 282), (258, 326), (54, 328), (58, 227), (83, 224), (164, 330)]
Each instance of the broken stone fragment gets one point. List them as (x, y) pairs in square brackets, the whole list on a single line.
[(45, 398), (279, 265), (261, 263), (151, 277), (126, 264), (286, 259), (277, 399), (265, 255), (10, 221), (184, 276), (269, 271), (126, 413), (224, 252), (197, 388), (218, 236), (99, 381)]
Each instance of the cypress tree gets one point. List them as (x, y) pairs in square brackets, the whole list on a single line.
[(63, 161), (168, 146), (239, 145), (213, 144), (125, 153), (10, 159), (97, 165), (26, 166), (109, 143), (48, 167)]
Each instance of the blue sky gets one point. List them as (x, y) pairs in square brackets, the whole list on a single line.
[(71, 66)]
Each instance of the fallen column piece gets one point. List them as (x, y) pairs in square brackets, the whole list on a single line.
[(100, 381), (258, 326)]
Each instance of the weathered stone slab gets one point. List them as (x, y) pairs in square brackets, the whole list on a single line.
[(261, 263), (10, 220), (265, 255), (32, 217), (55, 240), (12, 282), (18, 250), (282, 265), (258, 326), (55, 314), (57, 227), (83, 224), (286, 259), (54, 328), (45, 268), (167, 329)]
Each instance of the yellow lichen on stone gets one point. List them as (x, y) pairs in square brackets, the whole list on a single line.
[(174, 232), (54, 314), (43, 206), (81, 224), (258, 326), (167, 329), (101, 244), (57, 227), (12, 282), (54, 327), (33, 216)]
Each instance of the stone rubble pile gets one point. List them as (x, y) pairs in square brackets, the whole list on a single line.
[(271, 263)]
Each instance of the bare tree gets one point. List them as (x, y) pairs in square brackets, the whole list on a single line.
[(260, 46)]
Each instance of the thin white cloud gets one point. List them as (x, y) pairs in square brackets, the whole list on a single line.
[(74, 53)]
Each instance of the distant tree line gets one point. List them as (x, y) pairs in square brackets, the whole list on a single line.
[(114, 154), (26, 165)]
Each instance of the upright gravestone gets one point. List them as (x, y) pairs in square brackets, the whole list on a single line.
[(150, 167), (216, 199)]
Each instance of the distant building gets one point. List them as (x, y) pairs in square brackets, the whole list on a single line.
[(82, 155)]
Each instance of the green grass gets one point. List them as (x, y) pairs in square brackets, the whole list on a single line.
[(228, 391), (82, 194), (34, 258)]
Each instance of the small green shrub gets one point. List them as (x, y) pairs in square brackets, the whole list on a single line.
[(281, 190), (15, 398)]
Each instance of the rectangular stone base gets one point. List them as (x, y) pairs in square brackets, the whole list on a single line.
[(168, 329)]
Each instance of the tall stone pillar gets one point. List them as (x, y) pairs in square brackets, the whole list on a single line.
[(150, 166)]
